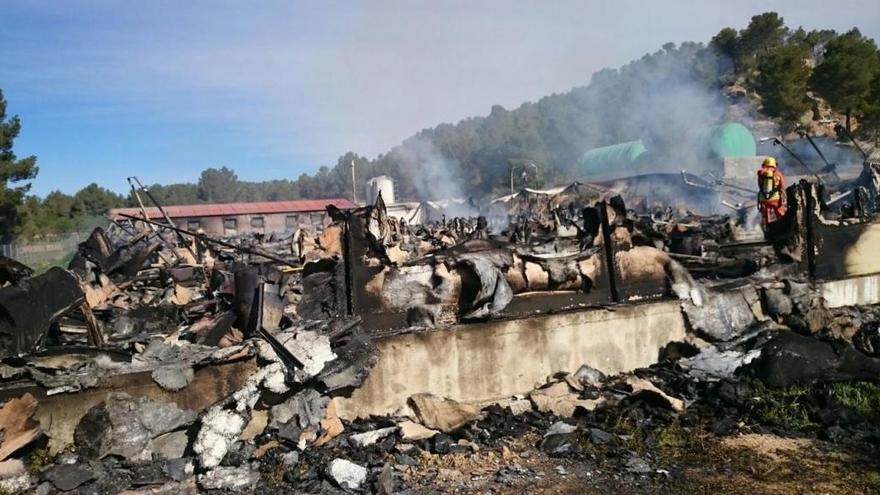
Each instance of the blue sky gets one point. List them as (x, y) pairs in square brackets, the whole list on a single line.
[(273, 89)]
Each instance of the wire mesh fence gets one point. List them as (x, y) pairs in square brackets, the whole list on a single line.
[(44, 252)]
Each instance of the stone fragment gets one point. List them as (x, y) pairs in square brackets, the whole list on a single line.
[(559, 438), (818, 317), (442, 414), (368, 438), (228, 478), (169, 446), (290, 459), (173, 377), (178, 469), (412, 431), (66, 477), (306, 408), (637, 465), (124, 426), (346, 474), (599, 437), (778, 304), (519, 406), (385, 482)]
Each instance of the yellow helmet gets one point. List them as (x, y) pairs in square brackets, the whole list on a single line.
[(769, 162)]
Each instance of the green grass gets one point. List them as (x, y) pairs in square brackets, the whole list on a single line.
[(790, 407), (863, 398), (672, 439), (786, 407), (38, 459)]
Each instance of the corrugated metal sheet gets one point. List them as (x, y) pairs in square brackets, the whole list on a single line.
[(231, 209)]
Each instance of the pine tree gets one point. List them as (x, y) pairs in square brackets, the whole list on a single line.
[(847, 70), (13, 172), (782, 82)]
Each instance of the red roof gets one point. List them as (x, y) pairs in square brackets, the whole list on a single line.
[(230, 209)]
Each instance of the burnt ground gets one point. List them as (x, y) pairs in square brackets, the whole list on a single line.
[(690, 461)]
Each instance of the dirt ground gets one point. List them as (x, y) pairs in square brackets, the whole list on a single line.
[(703, 463)]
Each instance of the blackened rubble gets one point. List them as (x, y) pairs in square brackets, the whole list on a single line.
[(212, 364)]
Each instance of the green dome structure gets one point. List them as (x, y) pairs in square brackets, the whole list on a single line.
[(621, 156), (732, 140)]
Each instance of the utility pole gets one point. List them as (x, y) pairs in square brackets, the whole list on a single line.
[(513, 167), (511, 178), (354, 197)]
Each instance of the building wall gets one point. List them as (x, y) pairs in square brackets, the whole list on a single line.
[(486, 361), (272, 223)]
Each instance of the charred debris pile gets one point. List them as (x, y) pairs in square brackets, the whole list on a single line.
[(162, 361)]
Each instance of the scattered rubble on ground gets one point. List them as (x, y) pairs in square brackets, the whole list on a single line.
[(213, 365)]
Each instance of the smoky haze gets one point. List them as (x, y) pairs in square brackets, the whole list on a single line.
[(166, 89)]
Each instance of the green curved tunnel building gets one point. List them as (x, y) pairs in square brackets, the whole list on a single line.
[(726, 148)]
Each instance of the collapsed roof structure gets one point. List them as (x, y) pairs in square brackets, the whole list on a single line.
[(182, 361)]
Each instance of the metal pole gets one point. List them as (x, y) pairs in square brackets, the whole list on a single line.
[(511, 178), (165, 214), (828, 166), (140, 204), (354, 197), (779, 142)]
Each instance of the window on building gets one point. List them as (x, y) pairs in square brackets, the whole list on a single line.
[(193, 225), (317, 222), (257, 222), (230, 226)]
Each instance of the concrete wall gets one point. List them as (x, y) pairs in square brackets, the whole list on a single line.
[(480, 362), (863, 256), (851, 291)]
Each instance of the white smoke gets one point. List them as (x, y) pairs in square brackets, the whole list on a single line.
[(434, 176)]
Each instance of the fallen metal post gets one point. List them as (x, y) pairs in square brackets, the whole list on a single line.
[(778, 142), (164, 213), (828, 166)]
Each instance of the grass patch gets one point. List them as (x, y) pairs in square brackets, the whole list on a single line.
[(786, 407), (631, 436), (38, 459), (863, 398), (793, 407), (673, 440), (870, 479), (275, 476)]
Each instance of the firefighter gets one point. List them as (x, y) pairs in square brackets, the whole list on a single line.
[(771, 191)]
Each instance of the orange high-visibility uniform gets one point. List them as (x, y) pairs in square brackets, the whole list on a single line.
[(771, 196)]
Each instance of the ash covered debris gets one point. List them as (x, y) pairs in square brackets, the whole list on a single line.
[(225, 355), (207, 337)]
